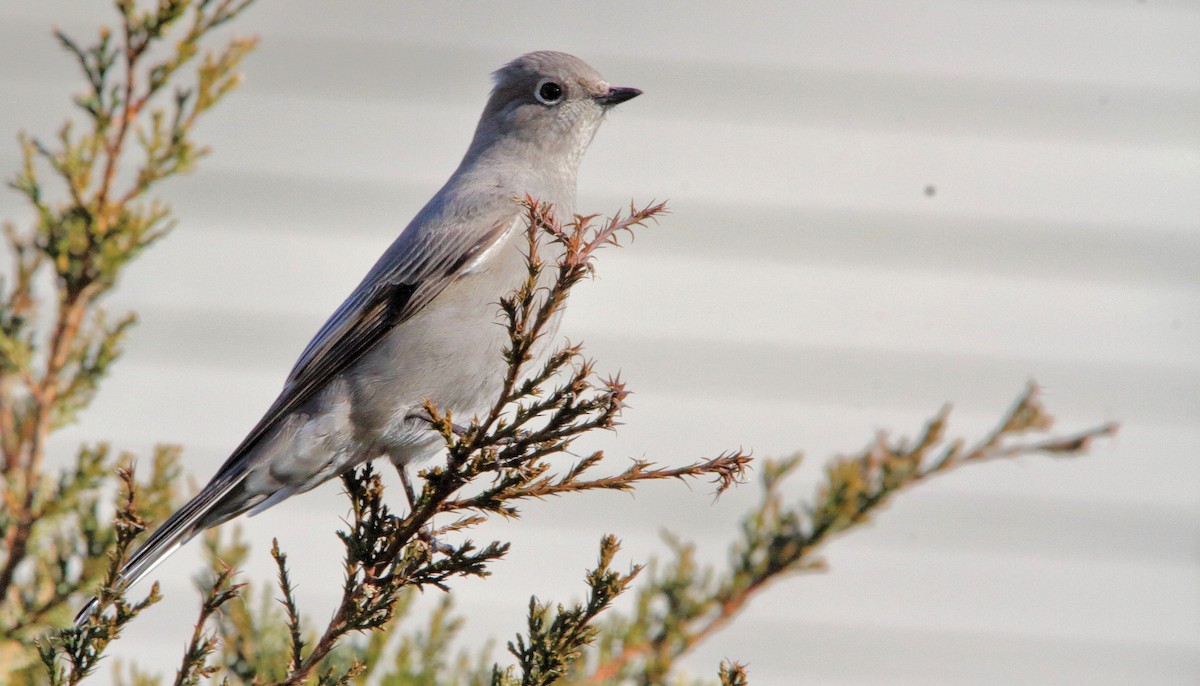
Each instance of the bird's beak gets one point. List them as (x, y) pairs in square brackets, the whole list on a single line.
[(617, 95)]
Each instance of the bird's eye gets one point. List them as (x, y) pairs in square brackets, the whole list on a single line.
[(549, 92)]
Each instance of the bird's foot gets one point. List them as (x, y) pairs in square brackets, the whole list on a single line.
[(460, 430), (424, 416)]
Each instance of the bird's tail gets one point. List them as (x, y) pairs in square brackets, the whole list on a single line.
[(210, 507)]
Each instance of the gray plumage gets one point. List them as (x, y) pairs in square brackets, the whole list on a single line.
[(423, 324)]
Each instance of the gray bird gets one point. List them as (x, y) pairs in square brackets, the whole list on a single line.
[(423, 324)]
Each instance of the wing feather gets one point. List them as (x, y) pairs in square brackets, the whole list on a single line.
[(418, 266)]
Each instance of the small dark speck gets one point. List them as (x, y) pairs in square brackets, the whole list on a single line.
[(930, 191), (1103, 99)]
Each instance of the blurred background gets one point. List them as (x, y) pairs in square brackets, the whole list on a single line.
[(877, 207)]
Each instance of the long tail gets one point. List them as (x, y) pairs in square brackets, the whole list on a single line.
[(214, 504)]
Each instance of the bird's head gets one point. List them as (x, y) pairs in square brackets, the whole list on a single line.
[(547, 105)]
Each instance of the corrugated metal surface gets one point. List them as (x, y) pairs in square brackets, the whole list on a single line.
[(807, 291)]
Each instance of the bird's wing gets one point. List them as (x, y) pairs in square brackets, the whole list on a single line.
[(418, 266)]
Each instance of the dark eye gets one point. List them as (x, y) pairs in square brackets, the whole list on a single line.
[(548, 92)]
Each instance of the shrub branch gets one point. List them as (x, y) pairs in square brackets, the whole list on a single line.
[(684, 604), (57, 346)]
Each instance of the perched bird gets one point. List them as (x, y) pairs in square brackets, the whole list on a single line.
[(423, 324)]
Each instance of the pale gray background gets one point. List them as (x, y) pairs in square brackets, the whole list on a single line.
[(805, 292)]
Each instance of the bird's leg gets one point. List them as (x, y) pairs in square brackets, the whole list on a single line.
[(424, 534), (460, 431), (408, 489)]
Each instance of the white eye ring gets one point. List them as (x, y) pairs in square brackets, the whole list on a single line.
[(549, 92)]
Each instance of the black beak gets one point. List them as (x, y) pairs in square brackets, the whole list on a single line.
[(617, 95)]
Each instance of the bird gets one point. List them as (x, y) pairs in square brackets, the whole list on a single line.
[(424, 322)]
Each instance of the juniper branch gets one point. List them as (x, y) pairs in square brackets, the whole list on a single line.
[(555, 640), (733, 674), (289, 605), (195, 664), (54, 354), (82, 647), (777, 540)]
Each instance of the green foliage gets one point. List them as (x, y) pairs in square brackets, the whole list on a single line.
[(72, 544), (557, 639), (90, 236), (82, 647), (195, 664), (267, 643), (252, 632), (733, 674), (682, 603), (58, 542)]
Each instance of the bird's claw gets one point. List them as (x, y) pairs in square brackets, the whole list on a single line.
[(460, 431)]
